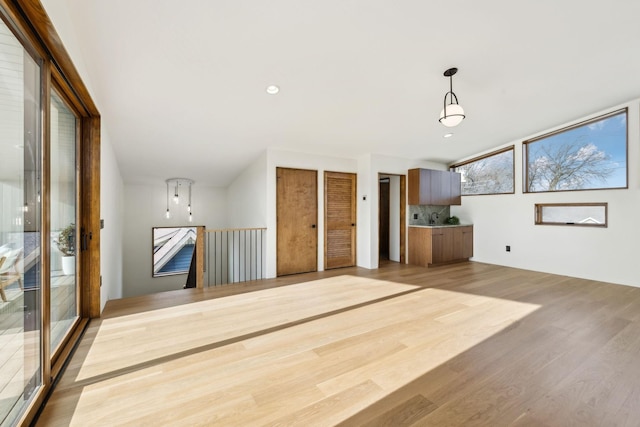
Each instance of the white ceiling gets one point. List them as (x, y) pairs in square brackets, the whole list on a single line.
[(181, 84)]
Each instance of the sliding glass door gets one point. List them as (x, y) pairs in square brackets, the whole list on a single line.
[(49, 209), (63, 277), (20, 255)]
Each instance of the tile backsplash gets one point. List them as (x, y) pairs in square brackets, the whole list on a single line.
[(424, 213)]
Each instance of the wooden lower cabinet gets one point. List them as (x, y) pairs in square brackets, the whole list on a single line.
[(463, 242), (440, 245)]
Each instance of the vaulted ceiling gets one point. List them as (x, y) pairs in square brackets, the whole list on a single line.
[(181, 84)]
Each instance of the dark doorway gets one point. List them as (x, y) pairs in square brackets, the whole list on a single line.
[(383, 220)]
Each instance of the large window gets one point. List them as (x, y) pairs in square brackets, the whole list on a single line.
[(589, 155), (488, 174)]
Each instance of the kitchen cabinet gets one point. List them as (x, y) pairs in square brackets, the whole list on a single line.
[(462, 242), (434, 187), (430, 246)]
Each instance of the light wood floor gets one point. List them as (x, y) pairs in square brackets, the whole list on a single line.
[(468, 344)]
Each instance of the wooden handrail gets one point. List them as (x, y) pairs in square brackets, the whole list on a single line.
[(235, 229)]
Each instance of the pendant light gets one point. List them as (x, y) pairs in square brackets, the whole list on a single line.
[(167, 215), (452, 113), (176, 183), (189, 205)]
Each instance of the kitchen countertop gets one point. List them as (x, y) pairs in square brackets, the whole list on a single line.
[(440, 225)]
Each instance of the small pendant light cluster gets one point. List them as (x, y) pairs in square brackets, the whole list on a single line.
[(452, 113), (174, 185)]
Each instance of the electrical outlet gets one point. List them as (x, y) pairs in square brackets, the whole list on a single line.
[(508, 248)]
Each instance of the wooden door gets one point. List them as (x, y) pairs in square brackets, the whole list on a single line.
[(339, 220), (297, 216)]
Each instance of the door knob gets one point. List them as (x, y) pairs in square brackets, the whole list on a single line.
[(313, 226)]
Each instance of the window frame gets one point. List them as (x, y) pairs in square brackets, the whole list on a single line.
[(538, 208), (511, 148), (526, 143)]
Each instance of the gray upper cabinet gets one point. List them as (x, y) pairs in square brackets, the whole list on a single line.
[(434, 187)]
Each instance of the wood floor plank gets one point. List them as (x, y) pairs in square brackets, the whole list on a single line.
[(460, 345), (410, 412)]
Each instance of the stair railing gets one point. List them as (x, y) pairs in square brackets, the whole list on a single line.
[(234, 255)]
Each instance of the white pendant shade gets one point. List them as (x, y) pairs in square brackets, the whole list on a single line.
[(455, 114)]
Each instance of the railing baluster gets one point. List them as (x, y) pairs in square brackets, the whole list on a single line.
[(236, 278), (251, 234), (225, 276), (215, 258), (239, 252), (245, 257)]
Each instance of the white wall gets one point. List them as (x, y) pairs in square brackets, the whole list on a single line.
[(247, 196), (606, 254), (145, 207), (367, 187), (112, 212)]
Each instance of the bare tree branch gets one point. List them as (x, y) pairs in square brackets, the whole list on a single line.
[(574, 165)]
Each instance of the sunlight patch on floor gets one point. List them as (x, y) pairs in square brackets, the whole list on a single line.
[(346, 343), (125, 341)]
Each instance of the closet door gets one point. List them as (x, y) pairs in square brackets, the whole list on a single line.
[(297, 218), (340, 220)]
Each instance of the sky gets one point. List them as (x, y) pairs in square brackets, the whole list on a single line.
[(608, 135)]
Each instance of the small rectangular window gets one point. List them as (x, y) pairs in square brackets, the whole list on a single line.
[(488, 174), (580, 214), (586, 156)]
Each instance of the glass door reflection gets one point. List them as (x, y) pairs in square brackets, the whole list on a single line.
[(20, 278), (64, 294)]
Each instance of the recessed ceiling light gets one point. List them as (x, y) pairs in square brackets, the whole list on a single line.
[(448, 135), (273, 89)]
